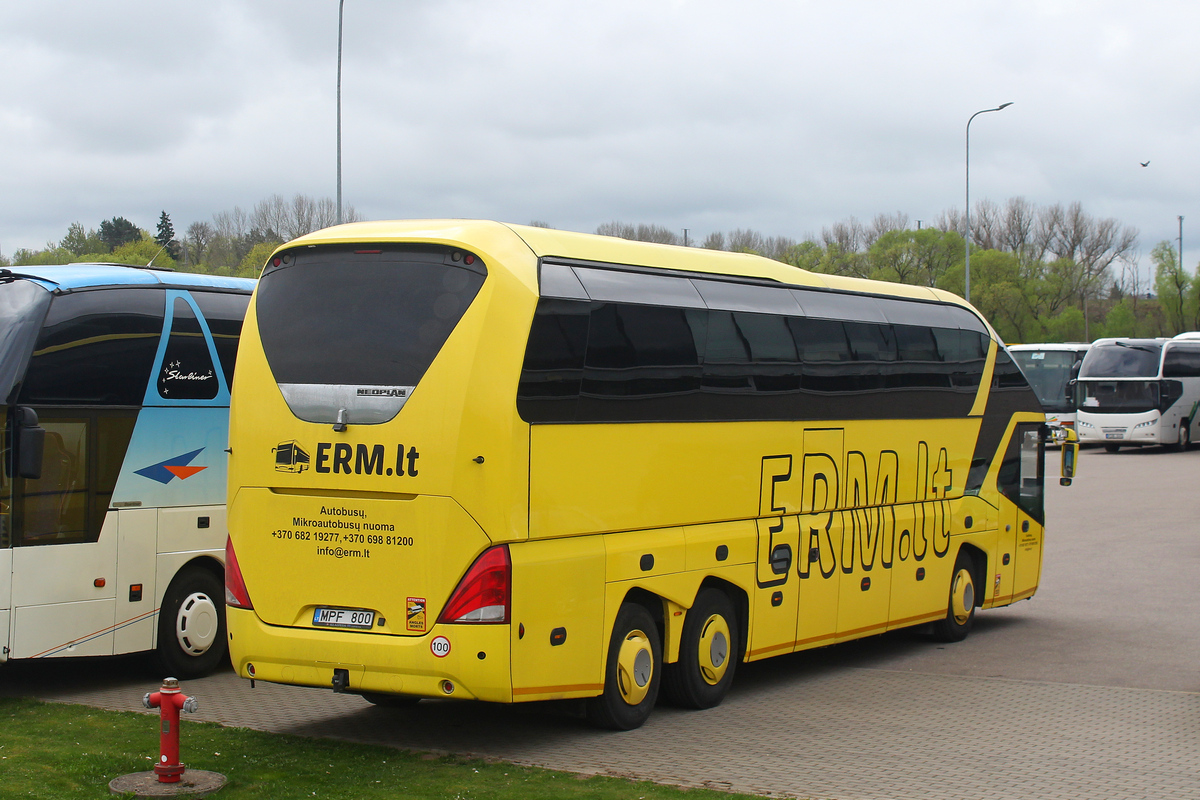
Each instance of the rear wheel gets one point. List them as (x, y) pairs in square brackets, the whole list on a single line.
[(632, 674), (960, 615), (707, 653), (191, 624)]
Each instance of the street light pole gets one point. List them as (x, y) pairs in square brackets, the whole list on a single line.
[(341, 3), (1000, 107)]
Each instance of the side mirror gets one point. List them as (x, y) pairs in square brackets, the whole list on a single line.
[(30, 441), (1070, 456)]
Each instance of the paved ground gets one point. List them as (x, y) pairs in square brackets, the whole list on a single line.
[(1090, 690)]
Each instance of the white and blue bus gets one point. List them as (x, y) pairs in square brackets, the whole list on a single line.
[(112, 482)]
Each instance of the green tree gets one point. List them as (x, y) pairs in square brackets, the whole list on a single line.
[(142, 253), (118, 231), (80, 241), (256, 259), (1174, 287), (1121, 320), (165, 238)]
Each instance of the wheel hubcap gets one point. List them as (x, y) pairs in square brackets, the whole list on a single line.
[(962, 596), (635, 667), (714, 649), (196, 624)]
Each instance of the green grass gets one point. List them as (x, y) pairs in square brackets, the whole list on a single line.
[(51, 751)]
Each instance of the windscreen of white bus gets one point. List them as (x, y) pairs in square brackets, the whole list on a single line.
[(350, 331), (1049, 372)]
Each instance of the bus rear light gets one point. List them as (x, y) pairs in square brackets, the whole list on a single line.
[(485, 592), (235, 588)]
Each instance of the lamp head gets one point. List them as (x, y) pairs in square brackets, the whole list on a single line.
[(1003, 106)]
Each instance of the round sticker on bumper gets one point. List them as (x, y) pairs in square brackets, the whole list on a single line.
[(440, 646)]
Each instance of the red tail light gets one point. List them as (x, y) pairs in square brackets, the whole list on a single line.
[(484, 593), (235, 588)]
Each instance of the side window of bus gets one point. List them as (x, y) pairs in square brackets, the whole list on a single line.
[(187, 369), (224, 313), (1181, 361), (553, 369), (1021, 477), (81, 459), (639, 351), (96, 348)]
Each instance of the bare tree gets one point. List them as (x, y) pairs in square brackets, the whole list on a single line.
[(714, 241), (846, 236), (640, 233), (882, 224)]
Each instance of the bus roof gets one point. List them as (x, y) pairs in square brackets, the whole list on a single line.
[(70, 277), (548, 242)]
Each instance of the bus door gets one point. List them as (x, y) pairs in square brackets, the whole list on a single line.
[(64, 556), (1021, 481), (820, 565)]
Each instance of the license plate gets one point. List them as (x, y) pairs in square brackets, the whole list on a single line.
[(344, 618), (1114, 436)]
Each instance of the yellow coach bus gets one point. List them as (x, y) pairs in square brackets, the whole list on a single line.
[(506, 463)]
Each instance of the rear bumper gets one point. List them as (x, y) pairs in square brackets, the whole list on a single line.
[(477, 665)]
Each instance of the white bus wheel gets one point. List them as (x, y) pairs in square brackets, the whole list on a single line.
[(192, 641)]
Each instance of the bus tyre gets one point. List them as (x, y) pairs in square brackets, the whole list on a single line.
[(1185, 435), (960, 615), (1111, 448), (707, 653), (192, 641), (632, 673)]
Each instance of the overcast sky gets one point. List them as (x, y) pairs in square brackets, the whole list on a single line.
[(784, 117)]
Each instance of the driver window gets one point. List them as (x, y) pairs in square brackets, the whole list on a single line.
[(1021, 477)]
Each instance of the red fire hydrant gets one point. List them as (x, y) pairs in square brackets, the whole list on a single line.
[(168, 700)]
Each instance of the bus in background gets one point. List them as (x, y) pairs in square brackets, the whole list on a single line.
[(112, 487), (488, 461), (1134, 392), (1050, 370)]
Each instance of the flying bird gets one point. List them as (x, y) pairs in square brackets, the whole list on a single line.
[(1144, 163)]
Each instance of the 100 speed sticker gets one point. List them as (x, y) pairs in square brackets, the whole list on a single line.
[(440, 646)]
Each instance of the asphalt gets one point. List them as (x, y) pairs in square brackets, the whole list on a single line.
[(1089, 690)]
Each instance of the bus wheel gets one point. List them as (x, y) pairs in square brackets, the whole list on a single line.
[(632, 674), (960, 615), (192, 641), (707, 653), (1185, 435), (390, 700), (1111, 448)]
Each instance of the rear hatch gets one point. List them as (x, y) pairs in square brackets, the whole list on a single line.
[(346, 426)]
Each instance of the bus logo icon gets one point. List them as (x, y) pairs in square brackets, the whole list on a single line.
[(290, 457)]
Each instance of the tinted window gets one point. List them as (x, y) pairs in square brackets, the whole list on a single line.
[(655, 363), (642, 355), (338, 317), (553, 369), (1136, 359), (224, 313), (187, 371), (96, 348), (1181, 361)]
